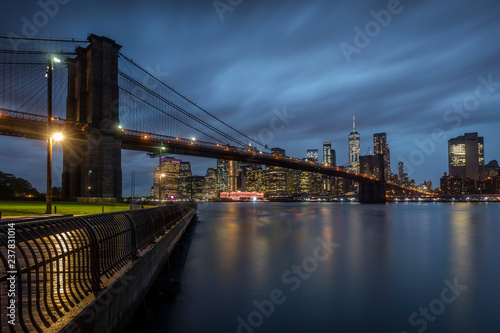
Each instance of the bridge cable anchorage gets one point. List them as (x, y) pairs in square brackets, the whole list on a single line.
[(128, 92), (191, 102), (188, 114)]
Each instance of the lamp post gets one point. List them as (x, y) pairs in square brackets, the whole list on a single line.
[(161, 175), (88, 186), (50, 65)]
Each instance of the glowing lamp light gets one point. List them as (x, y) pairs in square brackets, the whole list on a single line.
[(58, 136), (56, 59)]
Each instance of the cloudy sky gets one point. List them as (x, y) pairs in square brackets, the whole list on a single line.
[(422, 71)]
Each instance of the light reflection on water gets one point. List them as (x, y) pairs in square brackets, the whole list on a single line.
[(392, 260)]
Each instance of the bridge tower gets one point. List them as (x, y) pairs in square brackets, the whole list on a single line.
[(92, 167), (370, 193)]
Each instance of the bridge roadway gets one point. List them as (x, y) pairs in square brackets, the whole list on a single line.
[(32, 126)]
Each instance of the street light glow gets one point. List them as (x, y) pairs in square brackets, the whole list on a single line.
[(56, 59), (58, 136)]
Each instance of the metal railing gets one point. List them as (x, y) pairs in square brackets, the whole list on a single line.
[(58, 263)]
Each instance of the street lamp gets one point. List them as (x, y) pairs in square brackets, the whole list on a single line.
[(161, 175), (55, 137), (50, 65)]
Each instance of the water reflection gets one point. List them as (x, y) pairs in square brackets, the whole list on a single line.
[(392, 260)]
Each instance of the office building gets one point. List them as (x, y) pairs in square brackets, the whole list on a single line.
[(380, 146), (354, 148), (312, 155), (333, 157), (168, 171), (292, 181), (276, 177), (327, 153), (210, 185), (491, 169), (254, 178), (194, 186), (466, 156), (222, 175), (184, 172), (454, 185), (401, 171), (233, 176)]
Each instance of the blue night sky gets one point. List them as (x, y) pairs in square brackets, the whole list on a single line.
[(412, 75)]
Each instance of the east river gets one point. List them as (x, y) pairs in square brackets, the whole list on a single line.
[(332, 267)]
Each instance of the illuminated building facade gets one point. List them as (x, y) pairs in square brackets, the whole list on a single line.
[(168, 170), (354, 148), (210, 185), (380, 146), (222, 175), (312, 155), (276, 177), (466, 156), (184, 172)]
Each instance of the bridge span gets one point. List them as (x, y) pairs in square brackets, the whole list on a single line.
[(100, 88), (32, 126)]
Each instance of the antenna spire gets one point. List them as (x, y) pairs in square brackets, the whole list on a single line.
[(353, 123)]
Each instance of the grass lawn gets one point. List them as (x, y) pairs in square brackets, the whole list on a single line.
[(31, 208)]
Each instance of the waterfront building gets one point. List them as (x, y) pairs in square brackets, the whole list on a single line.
[(210, 185), (466, 156), (222, 175), (453, 185), (168, 170), (276, 177), (194, 186), (184, 172)]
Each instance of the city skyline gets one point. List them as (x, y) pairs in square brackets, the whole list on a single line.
[(408, 92)]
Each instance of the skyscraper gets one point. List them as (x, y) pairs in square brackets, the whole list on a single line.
[(222, 175), (327, 153), (380, 146), (401, 171), (276, 176), (466, 156), (333, 157), (354, 148), (210, 185), (312, 155), (169, 173), (184, 172), (233, 176)]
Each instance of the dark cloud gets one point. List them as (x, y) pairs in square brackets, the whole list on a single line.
[(276, 54)]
